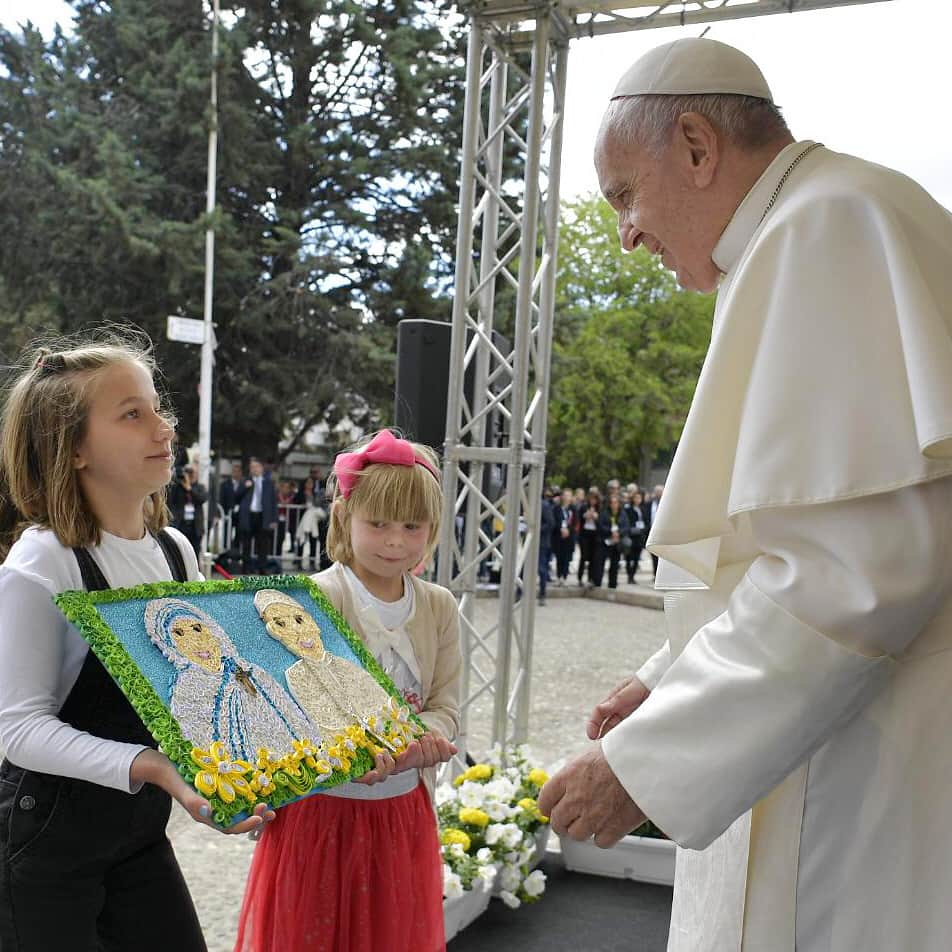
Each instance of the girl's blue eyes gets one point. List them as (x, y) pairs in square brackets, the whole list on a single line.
[(135, 414)]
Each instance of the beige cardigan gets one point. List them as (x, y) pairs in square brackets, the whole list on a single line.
[(433, 629)]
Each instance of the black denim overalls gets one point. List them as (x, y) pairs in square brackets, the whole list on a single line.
[(87, 868)]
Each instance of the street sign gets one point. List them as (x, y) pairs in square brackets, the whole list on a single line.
[(187, 330)]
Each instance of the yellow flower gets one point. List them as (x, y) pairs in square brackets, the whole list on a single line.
[(456, 836), (460, 780), (222, 775), (306, 751), (538, 776), (528, 804), (262, 783), (338, 756), (265, 761), (479, 772), (473, 816)]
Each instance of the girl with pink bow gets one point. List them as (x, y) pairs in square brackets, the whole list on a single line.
[(358, 868)]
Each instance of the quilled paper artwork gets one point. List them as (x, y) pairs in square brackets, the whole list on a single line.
[(255, 688)]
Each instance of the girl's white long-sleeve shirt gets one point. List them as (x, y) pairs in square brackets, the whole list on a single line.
[(41, 653)]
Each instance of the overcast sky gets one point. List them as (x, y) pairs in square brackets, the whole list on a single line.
[(871, 79)]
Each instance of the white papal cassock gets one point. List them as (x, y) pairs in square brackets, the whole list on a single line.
[(797, 743)]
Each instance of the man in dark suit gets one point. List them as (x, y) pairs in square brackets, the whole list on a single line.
[(229, 494), (257, 515)]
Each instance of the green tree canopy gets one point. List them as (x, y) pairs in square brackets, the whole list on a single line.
[(628, 350), (337, 166)]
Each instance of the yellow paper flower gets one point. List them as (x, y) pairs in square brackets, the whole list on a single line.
[(265, 760), (479, 772), (473, 816), (538, 776), (222, 775), (338, 756), (262, 784), (304, 751), (456, 836)]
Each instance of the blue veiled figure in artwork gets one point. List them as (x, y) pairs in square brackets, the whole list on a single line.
[(215, 694)]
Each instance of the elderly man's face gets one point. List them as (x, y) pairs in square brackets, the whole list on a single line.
[(656, 200)]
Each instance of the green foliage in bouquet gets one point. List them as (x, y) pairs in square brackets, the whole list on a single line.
[(649, 830), (488, 819)]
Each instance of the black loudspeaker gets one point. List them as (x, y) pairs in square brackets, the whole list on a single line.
[(423, 376)]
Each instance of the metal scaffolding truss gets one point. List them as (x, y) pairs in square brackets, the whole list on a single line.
[(516, 19), (505, 275)]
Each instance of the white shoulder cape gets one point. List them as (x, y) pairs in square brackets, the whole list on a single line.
[(853, 259)]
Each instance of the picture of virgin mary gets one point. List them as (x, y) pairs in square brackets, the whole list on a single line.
[(333, 691), (214, 693)]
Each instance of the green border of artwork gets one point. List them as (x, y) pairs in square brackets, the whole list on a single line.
[(80, 608)]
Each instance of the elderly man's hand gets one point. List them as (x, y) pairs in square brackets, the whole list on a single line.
[(585, 799), (627, 697)]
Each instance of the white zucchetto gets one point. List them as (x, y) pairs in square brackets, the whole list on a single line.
[(693, 66)]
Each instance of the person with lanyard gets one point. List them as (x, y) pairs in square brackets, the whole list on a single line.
[(85, 796), (792, 733), (186, 497), (257, 516), (565, 535), (358, 868), (613, 530), (634, 509)]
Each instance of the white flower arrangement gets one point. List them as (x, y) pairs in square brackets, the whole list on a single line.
[(488, 818)]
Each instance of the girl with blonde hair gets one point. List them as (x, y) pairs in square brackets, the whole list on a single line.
[(358, 868), (85, 455)]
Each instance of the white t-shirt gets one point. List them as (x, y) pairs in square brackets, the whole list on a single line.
[(41, 653)]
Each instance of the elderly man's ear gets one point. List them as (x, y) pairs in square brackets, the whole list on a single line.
[(697, 148)]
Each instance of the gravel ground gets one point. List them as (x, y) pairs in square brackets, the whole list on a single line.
[(582, 647)]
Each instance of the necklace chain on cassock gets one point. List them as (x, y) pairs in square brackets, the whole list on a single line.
[(786, 175)]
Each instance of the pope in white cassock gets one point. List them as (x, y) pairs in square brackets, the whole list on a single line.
[(794, 734)]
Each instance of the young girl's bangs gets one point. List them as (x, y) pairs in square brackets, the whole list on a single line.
[(398, 494)]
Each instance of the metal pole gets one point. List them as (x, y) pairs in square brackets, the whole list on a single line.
[(208, 343), (464, 267), (543, 360), (520, 377)]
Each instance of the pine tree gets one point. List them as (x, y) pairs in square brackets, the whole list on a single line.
[(338, 152)]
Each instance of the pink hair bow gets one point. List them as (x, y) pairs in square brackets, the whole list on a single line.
[(383, 448)]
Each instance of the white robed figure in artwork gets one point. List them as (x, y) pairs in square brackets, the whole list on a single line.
[(215, 694), (335, 692), (792, 733)]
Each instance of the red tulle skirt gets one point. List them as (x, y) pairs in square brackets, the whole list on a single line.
[(338, 875)]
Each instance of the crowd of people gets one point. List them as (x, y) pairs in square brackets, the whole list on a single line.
[(607, 527), (266, 519), (261, 515)]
